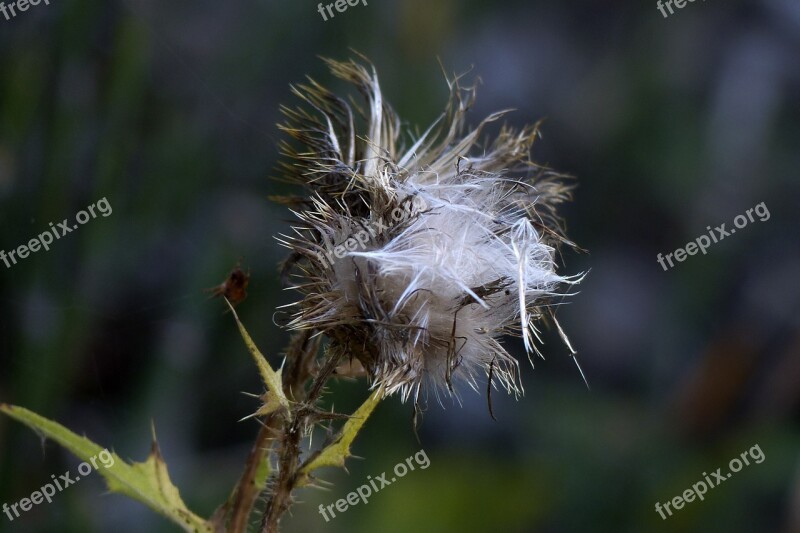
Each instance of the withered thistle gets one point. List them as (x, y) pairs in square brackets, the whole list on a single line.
[(426, 299), (413, 261)]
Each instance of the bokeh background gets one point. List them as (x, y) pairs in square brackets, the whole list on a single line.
[(168, 110)]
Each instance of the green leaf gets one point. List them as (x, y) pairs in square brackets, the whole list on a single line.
[(274, 398), (262, 473), (147, 482), (339, 450)]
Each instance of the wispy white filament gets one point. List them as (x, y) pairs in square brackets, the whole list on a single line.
[(429, 299)]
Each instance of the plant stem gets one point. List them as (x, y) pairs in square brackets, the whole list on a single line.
[(246, 490), (300, 350), (289, 454)]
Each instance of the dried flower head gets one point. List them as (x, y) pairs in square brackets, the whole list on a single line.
[(416, 261)]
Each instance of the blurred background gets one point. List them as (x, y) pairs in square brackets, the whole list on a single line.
[(168, 110)]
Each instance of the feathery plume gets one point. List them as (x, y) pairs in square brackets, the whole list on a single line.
[(416, 261)]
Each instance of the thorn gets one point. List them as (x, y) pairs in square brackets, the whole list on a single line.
[(247, 417)]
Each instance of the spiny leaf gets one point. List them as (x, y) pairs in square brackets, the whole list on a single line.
[(339, 450), (147, 482), (274, 398)]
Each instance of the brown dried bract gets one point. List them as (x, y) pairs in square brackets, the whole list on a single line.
[(234, 288)]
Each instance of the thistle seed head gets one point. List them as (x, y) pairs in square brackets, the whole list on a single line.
[(416, 259)]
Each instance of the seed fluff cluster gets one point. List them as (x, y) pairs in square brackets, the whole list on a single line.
[(416, 260)]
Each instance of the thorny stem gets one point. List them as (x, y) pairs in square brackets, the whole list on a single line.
[(300, 349), (247, 491), (289, 454)]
